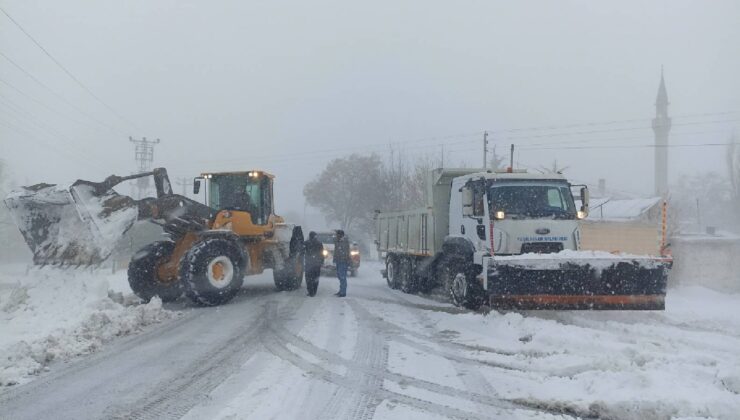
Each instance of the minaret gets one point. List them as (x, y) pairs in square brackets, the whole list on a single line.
[(661, 127)]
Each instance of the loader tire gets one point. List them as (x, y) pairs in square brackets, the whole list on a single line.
[(391, 272), (213, 271), (406, 279), (458, 280), (142, 273), (291, 276)]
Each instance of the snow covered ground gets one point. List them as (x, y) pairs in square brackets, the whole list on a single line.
[(377, 354), (48, 315)]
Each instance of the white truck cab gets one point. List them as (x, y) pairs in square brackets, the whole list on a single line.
[(510, 213)]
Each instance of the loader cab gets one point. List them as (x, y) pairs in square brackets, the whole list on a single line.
[(249, 192)]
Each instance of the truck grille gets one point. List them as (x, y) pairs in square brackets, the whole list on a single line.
[(542, 247)]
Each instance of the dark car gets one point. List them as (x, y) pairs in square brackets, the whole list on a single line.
[(328, 239)]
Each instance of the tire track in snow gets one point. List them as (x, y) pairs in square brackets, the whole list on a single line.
[(275, 345), (178, 395), (465, 369), (469, 373), (479, 390), (370, 353), (400, 334), (204, 374), (284, 337)]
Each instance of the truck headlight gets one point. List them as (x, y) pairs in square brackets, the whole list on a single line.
[(580, 214), (499, 215)]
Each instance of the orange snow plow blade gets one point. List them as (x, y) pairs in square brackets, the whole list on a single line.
[(624, 302), (579, 280)]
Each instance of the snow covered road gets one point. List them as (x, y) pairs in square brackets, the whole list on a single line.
[(382, 354)]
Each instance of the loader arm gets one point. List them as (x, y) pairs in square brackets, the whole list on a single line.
[(81, 225)]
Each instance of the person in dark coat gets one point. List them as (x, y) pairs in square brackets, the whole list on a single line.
[(314, 260), (341, 261)]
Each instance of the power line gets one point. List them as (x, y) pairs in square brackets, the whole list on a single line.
[(57, 95), (595, 140), (612, 122), (73, 77), (641, 146), (575, 133), (342, 150), (49, 108), (28, 135), (48, 129), (42, 103)]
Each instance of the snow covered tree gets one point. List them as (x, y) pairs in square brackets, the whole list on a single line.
[(404, 182), (497, 162)]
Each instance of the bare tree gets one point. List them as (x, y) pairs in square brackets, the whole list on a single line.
[(497, 162), (348, 191)]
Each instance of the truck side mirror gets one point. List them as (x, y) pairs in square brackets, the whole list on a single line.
[(584, 199), (196, 186), (467, 201)]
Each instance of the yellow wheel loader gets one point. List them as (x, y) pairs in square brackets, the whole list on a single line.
[(209, 247)]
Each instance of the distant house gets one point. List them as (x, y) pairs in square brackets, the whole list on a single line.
[(632, 226)]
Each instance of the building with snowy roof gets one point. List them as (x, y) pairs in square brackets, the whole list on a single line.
[(623, 225)]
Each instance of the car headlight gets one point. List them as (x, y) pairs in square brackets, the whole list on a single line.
[(354, 253), (325, 252)]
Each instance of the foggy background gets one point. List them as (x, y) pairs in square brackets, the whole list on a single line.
[(287, 86)]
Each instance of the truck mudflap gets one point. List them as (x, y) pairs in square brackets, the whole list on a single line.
[(578, 280)]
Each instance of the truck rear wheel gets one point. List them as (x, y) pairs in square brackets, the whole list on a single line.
[(406, 278), (143, 277), (460, 284), (212, 271), (391, 272)]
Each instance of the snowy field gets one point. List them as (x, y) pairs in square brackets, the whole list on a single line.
[(76, 345)]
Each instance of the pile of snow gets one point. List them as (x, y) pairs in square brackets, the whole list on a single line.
[(51, 314), (678, 363)]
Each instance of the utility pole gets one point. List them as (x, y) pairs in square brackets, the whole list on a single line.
[(485, 149), (442, 158), (511, 164), (144, 156)]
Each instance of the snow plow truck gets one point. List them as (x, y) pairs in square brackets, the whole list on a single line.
[(209, 249), (511, 240)]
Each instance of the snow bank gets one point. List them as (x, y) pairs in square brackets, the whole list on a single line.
[(682, 362), (52, 314)]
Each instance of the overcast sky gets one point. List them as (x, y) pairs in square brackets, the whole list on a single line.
[(286, 86)]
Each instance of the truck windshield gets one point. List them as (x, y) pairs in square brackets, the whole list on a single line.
[(529, 201)]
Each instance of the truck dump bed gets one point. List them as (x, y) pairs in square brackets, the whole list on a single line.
[(420, 231), (408, 232)]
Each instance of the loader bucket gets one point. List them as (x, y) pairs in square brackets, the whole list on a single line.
[(75, 226), (587, 282)]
